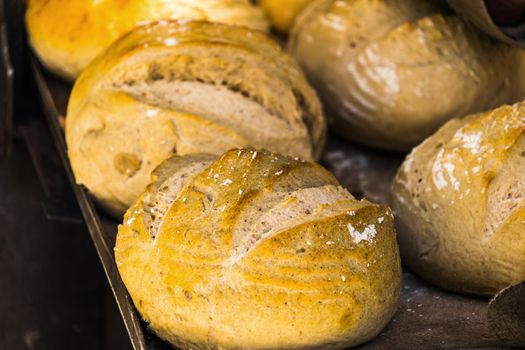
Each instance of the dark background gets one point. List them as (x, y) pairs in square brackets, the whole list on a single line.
[(53, 292)]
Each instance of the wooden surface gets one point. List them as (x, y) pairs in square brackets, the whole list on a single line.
[(427, 318)]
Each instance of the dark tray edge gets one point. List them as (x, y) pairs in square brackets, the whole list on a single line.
[(105, 252)]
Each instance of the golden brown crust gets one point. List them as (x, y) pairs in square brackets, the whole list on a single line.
[(282, 13), (67, 34), (260, 251), (460, 203), (180, 88)]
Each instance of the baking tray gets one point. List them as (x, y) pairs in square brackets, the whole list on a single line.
[(427, 318), (6, 87)]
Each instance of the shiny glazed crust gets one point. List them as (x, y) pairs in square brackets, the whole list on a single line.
[(258, 251), (68, 34), (459, 200), (390, 73)]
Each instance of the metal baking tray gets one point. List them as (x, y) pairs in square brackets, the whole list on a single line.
[(427, 318), (6, 87)]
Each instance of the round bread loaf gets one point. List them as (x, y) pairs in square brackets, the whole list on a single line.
[(68, 34), (282, 13), (257, 251), (459, 200), (180, 88), (391, 73)]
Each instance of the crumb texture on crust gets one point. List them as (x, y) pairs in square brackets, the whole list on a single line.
[(390, 73), (68, 34), (460, 203), (184, 88), (258, 251)]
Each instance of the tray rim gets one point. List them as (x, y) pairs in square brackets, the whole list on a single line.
[(132, 320), (8, 77)]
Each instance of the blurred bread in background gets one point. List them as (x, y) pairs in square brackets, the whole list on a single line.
[(390, 73), (282, 13), (67, 34)]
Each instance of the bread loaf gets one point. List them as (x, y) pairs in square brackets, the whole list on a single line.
[(390, 73), (257, 251), (282, 13), (68, 34), (459, 200), (181, 88)]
